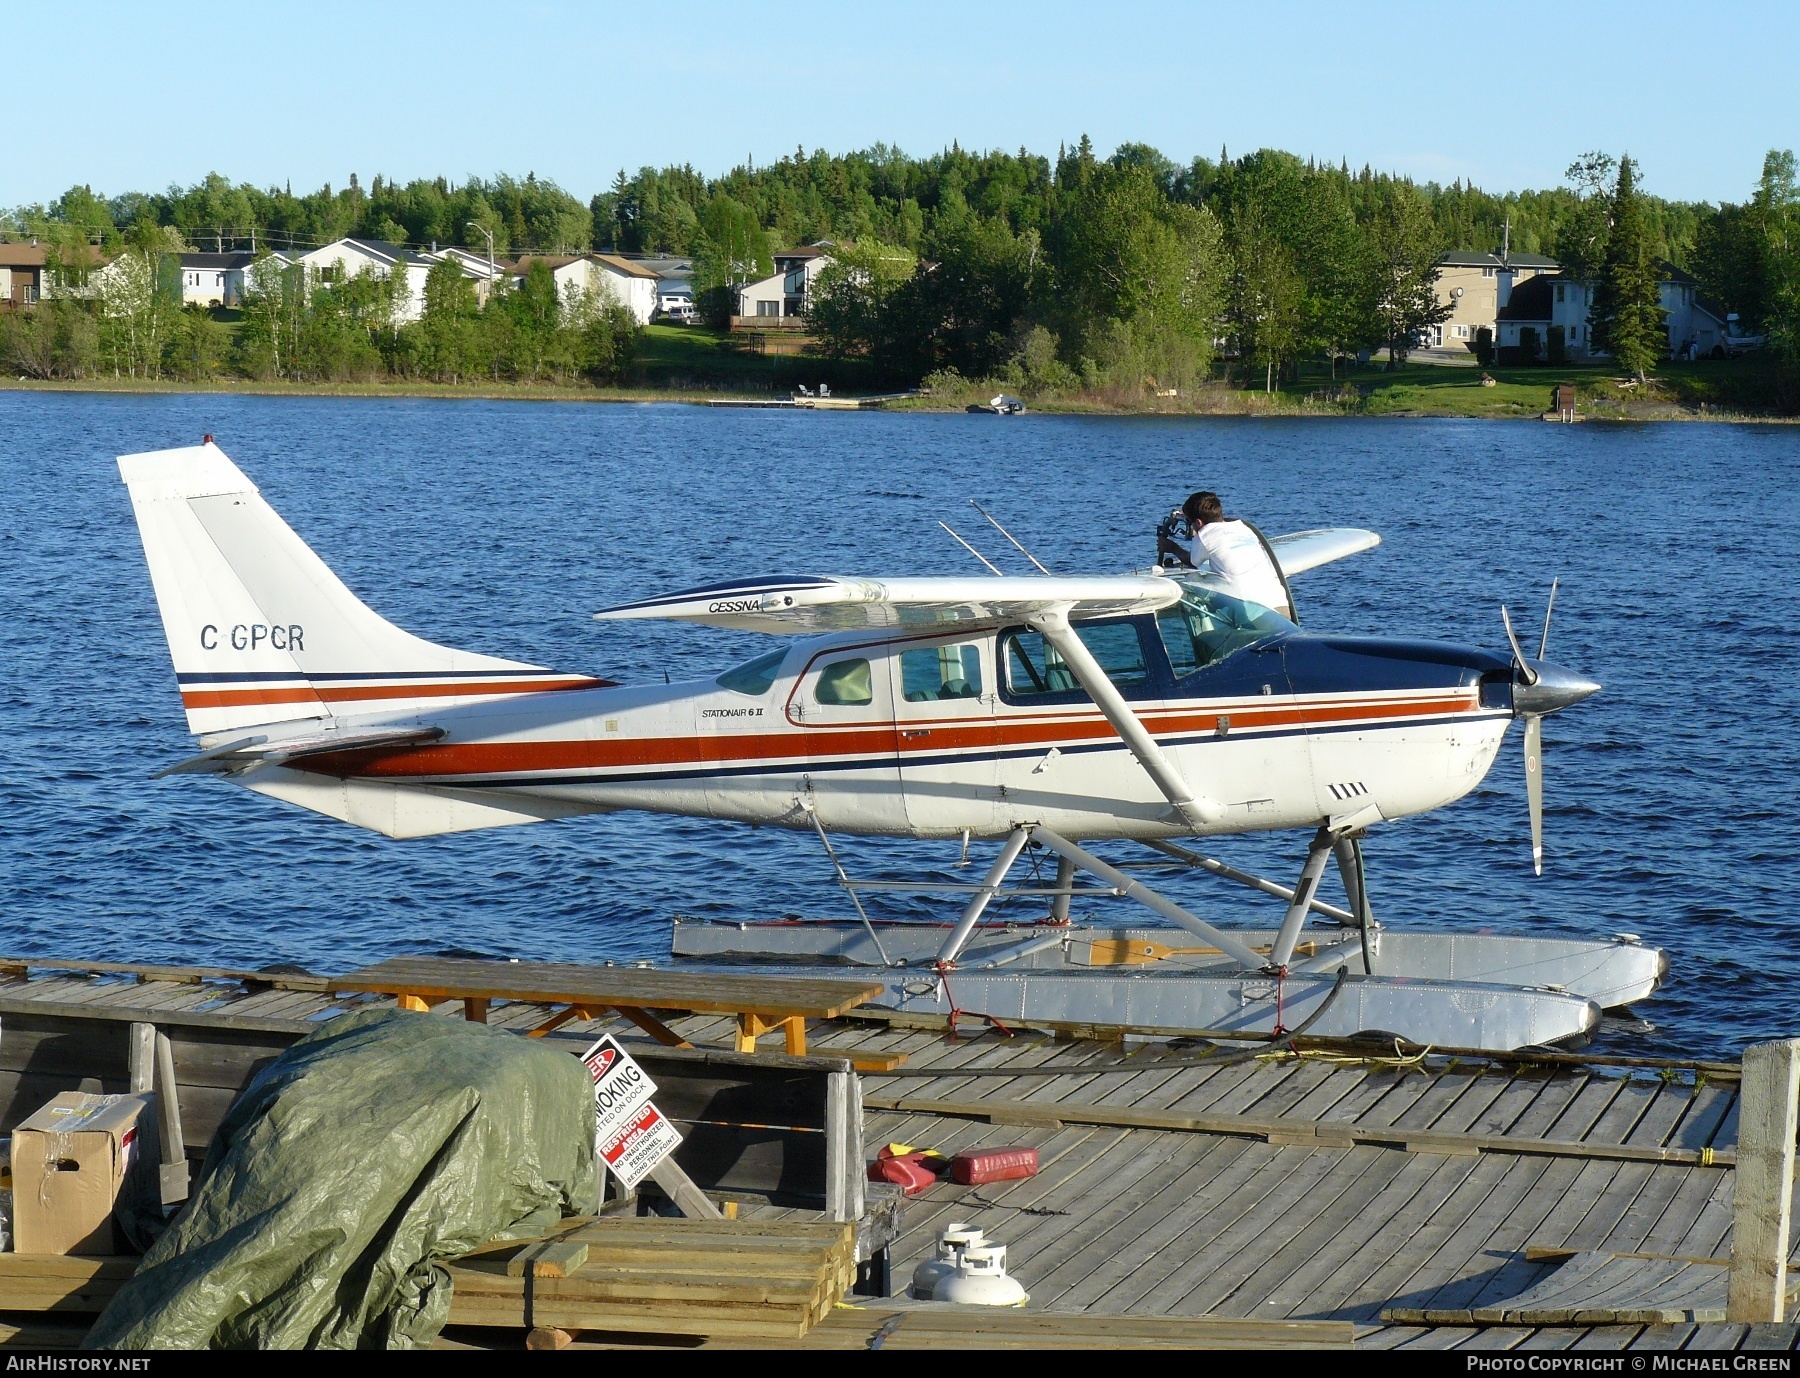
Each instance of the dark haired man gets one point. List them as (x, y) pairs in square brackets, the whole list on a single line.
[(1233, 549)]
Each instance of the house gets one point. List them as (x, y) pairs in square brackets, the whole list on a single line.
[(784, 293), (630, 284), (486, 272), (343, 259), (213, 279), (1476, 285), (675, 285), (1550, 305), (1697, 328), (1555, 302), (22, 274)]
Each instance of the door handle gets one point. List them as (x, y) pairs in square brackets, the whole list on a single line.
[(916, 732)]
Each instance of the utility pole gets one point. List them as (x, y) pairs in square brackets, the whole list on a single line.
[(490, 239)]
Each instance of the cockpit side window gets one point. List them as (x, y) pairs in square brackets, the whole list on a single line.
[(1032, 666), (754, 677), (930, 674), (846, 682)]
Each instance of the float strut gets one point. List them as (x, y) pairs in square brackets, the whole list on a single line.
[(1316, 856), (1268, 887), (1351, 870), (978, 902), (1133, 889), (1065, 884)]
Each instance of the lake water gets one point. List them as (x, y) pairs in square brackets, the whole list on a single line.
[(501, 526)]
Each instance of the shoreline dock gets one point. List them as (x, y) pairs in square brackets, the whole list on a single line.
[(1408, 1200)]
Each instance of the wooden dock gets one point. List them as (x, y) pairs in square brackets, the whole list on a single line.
[(1176, 1185)]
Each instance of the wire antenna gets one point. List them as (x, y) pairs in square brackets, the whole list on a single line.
[(1009, 536), (971, 549)]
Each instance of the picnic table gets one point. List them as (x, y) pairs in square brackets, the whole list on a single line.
[(760, 1004)]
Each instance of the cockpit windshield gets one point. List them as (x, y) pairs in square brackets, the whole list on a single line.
[(755, 677), (1208, 625)]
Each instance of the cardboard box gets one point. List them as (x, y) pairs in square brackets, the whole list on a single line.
[(73, 1162)]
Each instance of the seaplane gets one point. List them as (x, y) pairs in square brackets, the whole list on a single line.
[(1059, 716)]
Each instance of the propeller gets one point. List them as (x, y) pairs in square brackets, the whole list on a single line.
[(1539, 689)]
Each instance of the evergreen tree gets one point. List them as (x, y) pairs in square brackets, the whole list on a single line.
[(1627, 316)]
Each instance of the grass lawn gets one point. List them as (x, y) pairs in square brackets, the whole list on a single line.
[(692, 356), (1441, 390)]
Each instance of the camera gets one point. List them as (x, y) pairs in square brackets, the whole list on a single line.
[(1169, 530)]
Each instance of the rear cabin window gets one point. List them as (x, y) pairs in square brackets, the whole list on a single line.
[(1033, 666), (845, 682), (933, 673), (754, 677)]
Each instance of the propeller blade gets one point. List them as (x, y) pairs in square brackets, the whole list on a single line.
[(1550, 607), (1526, 673), (1534, 788)]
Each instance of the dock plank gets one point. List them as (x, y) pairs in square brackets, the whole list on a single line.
[(1296, 1175), (1316, 1286), (1241, 1187), (1246, 1285), (1705, 1111), (1436, 1242), (1116, 1242)]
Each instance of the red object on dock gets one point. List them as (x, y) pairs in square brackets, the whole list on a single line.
[(909, 1172), (993, 1165)]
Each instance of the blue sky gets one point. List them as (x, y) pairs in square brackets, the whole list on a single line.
[(140, 96)]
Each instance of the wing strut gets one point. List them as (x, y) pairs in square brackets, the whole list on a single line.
[(1198, 811)]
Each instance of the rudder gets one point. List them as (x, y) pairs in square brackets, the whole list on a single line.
[(261, 631)]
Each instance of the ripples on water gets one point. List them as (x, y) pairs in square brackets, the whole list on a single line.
[(501, 526)]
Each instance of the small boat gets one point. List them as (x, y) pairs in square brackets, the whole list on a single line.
[(999, 405)]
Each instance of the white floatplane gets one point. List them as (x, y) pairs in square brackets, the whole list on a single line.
[(1048, 712)]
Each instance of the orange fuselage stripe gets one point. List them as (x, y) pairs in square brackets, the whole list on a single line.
[(882, 739), (348, 693)]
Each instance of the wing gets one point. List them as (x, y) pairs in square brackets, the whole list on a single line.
[(1304, 550), (814, 603)]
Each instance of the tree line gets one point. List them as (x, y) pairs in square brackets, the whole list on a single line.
[(1077, 270)]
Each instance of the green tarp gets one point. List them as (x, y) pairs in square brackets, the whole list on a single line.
[(350, 1167)]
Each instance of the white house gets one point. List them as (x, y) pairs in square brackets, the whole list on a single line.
[(474, 265), (1554, 301), (213, 279), (343, 259), (785, 292), (629, 284)]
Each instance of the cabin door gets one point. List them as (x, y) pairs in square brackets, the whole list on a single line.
[(948, 737), (843, 703)]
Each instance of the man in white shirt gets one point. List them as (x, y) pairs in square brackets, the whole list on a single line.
[(1235, 551)]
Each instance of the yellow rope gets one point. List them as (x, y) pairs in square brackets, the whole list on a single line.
[(1399, 1061)]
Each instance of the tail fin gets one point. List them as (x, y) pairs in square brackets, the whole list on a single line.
[(262, 632)]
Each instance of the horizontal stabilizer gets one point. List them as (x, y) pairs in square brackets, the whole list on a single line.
[(261, 751), (817, 603)]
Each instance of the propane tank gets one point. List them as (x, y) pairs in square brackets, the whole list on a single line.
[(951, 1241), (980, 1280)]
